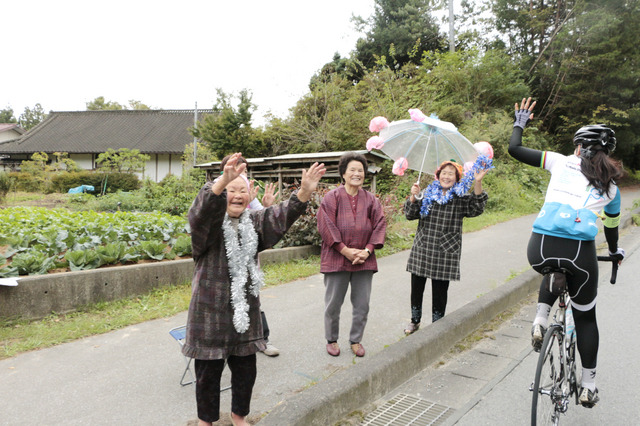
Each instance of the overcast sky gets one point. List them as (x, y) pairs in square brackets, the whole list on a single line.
[(169, 55)]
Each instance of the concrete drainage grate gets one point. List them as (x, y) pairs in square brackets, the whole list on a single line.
[(408, 410)]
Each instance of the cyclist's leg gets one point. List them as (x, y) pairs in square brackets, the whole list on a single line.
[(538, 258), (583, 289)]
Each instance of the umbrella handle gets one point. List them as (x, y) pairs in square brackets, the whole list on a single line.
[(420, 194)]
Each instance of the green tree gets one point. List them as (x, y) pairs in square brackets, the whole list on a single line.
[(463, 83), (100, 103), (400, 30), (229, 129), (6, 116), (137, 105), (582, 58), (123, 160), (32, 117), (203, 155), (62, 162)]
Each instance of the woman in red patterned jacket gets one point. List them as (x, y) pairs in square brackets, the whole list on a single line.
[(352, 225)]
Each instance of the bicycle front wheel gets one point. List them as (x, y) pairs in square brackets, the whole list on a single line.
[(547, 401)]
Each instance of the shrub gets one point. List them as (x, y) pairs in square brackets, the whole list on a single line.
[(26, 182), (5, 185), (304, 230)]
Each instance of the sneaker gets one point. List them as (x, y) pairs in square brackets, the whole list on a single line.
[(357, 349), (333, 349), (271, 350), (537, 336), (588, 398), (411, 328)]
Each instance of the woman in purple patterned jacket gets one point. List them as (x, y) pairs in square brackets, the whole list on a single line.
[(352, 225), (224, 314)]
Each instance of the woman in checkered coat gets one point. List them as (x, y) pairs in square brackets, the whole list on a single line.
[(438, 242)]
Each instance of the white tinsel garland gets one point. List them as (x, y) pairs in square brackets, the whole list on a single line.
[(240, 255)]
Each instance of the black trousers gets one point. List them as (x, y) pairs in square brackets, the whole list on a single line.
[(580, 259), (208, 374), (439, 294)]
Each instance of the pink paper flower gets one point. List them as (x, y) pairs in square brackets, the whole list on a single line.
[(399, 166), (378, 123), (484, 148), (417, 115), (468, 166), (375, 142)]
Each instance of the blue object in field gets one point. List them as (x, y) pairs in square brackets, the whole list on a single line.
[(81, 189)]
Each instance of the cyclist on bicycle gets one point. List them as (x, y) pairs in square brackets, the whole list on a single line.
[(581, 189)]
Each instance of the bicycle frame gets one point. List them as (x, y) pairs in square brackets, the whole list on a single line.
[(560, 383)]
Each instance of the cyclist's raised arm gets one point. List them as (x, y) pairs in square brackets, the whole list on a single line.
[(529, 156)]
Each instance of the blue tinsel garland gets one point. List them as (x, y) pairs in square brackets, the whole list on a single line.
[(433, 192)]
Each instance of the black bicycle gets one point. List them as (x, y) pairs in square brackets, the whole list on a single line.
[(556, 382)]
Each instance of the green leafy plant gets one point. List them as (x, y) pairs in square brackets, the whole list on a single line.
[(111, 253), (152, 250), (182, 246), (32, 262), (80, 260)]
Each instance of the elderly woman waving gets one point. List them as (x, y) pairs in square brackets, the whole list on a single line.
[(437, 245), (352, 225), (224, 323)]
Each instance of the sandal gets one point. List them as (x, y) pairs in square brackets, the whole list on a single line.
[(411, 328)]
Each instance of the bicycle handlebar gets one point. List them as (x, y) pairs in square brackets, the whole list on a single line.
[(614, 266)]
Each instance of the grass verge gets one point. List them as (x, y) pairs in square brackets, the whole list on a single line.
[(17, 336)]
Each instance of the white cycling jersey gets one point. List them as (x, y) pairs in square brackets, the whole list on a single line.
[(572, 206)]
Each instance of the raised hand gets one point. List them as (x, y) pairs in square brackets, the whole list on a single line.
[(253, 190), (269, 198), (310, 179), (524, 112), (232, 169)]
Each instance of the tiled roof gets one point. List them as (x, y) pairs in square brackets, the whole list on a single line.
[(84, 132), (11, 126)]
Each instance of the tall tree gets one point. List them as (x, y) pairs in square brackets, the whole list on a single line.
[(32, 117), (582, 57), (400, 30), (229, 129), (6, 115)]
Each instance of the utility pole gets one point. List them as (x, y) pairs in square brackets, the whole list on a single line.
[(452, 43), (195, 140)]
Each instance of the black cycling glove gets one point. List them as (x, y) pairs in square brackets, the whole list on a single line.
[(618, 255)]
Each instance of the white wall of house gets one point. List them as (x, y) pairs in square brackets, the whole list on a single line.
[(84, 161), (162, 165), (8, 135), (156, 169)]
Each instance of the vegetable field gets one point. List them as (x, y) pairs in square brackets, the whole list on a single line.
[(37, 240)]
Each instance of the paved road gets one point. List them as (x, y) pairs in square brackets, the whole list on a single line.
[(508, 401), (131, 376), (487, 383)]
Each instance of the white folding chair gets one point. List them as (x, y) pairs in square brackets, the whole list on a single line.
[(179, 333)]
